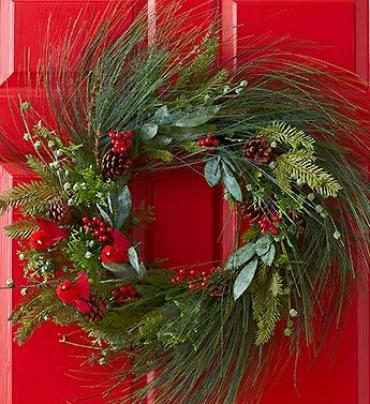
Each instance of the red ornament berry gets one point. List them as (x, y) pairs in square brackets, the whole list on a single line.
[(275, 217), (210, 141), (273, 230), (124, 294)]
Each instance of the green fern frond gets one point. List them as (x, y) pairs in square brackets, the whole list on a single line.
[(266, 305), (294, 166), (285, 133), (21, 229), (32, 197), (39, 168)]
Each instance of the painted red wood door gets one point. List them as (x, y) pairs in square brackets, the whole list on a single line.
[(189, 219)]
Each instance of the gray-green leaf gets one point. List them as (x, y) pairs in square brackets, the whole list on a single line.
[(245, 278), (212, 171), (198, 117), (122, 271), (148, 131), (269, 257), (104, 215), (263, 245), (231, 184), (161, 114), (241, 256), (124, 202)]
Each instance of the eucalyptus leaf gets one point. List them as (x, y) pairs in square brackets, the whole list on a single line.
[(212, 171), (161, 114), (124, 207), (134, 261), (231, 184), (269, 257), (163, 140), (241, 256), (198, 117), (245, 278), (122, 271), (263, 245), (148, 131), (133, 258), (105, 215)]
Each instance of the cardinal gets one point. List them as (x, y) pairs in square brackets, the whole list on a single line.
[(116, 253), (76, 293), (48, 235)]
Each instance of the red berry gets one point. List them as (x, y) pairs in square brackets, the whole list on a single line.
[(275, 217), (173, 281), (273, 230), (193, 272)]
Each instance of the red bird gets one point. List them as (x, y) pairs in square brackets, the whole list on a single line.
[(116, 253), (76, 293), (48, 235)]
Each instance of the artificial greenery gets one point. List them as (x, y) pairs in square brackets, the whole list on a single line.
[(271, 132)]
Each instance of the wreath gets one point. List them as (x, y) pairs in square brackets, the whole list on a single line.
[(283, 134)]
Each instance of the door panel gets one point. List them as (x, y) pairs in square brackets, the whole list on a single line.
[(334, 31)]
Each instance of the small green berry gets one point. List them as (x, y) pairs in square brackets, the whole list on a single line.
[(37, 144), (24, 291), (288, 332), (337, 235), (311, 196), (293, 313), (319, 208), (10, 283), (27, 137)]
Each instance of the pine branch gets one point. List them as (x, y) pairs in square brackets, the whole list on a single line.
[(39, 168), (297, 167), (266, 308), (21, 229), (285, 133), (32, 197)]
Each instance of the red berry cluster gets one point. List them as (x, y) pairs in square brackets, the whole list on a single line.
[(121, 141), (268, 223), (99, 229), (124, 294), (209, 141), (197, 280)]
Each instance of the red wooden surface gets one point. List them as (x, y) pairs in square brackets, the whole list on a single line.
[(189, 214)]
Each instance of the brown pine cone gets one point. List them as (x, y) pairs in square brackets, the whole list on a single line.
[(114, 164), (98, 308), (258, 150), (59, 212)]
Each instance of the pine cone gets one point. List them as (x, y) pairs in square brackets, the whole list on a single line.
[(98, 308), (252, 213), (258, 150), (114, 164), (59, 212)]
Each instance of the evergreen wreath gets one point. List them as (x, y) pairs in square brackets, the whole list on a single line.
[(285, 136)]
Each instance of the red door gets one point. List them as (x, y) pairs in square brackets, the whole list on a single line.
[(35, 373)]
